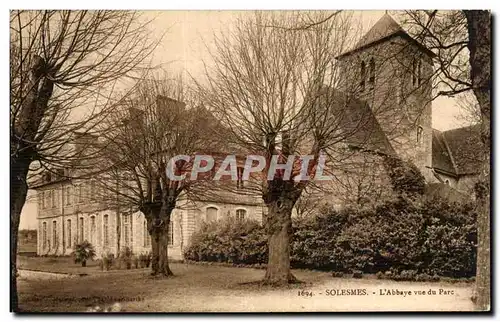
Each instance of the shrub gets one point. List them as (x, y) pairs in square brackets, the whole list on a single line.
[(83, 252), (229, 240), (107, 261), (125, 258), (135, 261), (404, 238), (405, 177)]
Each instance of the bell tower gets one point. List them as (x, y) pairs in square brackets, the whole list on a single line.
[(392, 72)]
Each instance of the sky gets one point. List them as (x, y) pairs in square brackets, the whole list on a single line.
[(185, 43)]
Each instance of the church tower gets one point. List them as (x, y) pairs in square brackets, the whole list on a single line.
[(392, 72)]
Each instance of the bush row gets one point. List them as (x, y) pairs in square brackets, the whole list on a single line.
[(126, 260), (429, 237)]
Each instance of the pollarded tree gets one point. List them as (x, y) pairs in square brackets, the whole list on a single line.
[(272, 86), (157, 123), (63, 67)]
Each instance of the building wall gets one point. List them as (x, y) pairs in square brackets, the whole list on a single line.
[(184, 220)]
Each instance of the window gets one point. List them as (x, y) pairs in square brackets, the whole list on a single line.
[(106, 230), (211, 214), (239, 182), (147, 238), (80, 193), (54, 199), (419, 72), (92, 230), (363, 76), (44, 235), (54, 234), (68, 230), (371, 80), (81, 229), (92, 190), (42, 199), (447, 182), (420, 131), (48, 199), (68, 195), (170, 240), (240, 214), (126, 235)]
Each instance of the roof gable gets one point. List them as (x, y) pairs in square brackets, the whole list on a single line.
[(385, 28), (441, 156), (464, 144), (456, 151), (357, 123)]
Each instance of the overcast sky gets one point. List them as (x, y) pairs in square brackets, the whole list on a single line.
[(184, 48)]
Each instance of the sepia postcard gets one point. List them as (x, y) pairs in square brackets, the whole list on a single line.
[(250, 161)]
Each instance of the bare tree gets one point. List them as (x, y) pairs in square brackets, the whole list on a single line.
[(272, 86), (63, 69), (156, 125)]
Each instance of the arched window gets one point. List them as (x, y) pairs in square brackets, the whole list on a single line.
[(92, 230), (420, 131), (68, 235), (240, 214), (363, 76), (48, 198), (371, 80), (106, 230), (126, 235), (81, 237), (239, 182), (54, 234), (447, 182), (211, 213), (170, 240), (44, 235), (147, 238), (419, 72)]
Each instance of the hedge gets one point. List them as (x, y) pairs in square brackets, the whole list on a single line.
[(429, 237)]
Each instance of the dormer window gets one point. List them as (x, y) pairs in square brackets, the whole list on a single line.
[(239, 182), (371, 80), (363, 76)]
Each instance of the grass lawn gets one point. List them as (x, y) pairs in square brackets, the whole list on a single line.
[(56, 265), (199, 288)]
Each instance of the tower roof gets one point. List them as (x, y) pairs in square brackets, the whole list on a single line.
[(385, 28)]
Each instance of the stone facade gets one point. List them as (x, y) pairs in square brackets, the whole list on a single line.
[(67, 216)]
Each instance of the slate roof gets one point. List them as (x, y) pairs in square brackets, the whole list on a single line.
[(357, 123), (456, 151), (384, 28), (441, 155)]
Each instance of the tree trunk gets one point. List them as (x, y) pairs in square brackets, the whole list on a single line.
[(19, 191), (279, 228), (158, 228), (479, 45)]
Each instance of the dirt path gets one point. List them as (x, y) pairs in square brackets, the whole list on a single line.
[(323, 298)]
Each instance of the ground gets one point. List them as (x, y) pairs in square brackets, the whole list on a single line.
[(200, 288)]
